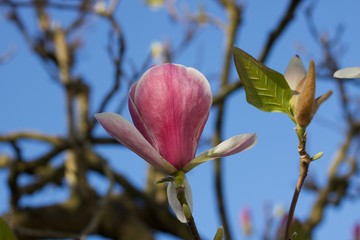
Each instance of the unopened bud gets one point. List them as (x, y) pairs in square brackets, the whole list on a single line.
[(293, 236), (219, 233), (155, 4), (186, 211), (100, 8), (279, 211), (305, 100), (245, 220), (317, 156)]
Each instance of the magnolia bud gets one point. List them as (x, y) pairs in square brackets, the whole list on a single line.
[(187, 211), (305, 100), (317, 156), (219, 233)]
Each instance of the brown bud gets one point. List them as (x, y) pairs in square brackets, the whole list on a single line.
[(305, 100)]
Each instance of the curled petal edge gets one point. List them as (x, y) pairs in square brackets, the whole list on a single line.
[(125, 133), (228, 147)]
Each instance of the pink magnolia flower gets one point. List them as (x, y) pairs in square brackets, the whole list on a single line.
[(169, 106)]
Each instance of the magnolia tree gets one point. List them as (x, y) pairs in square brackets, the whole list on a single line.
[(175, 109)]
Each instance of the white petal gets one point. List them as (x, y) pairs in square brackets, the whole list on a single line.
[(352, 72), (295, 72), (188, 194), (228, 147), (174, 202)]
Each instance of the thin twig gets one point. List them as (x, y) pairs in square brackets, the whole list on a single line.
[(36, 233), (50, 175), (333, 184), (336, 188), (269, 45), (305, 161), (234, 12), (59, 6), (96, 219), (117, 61), (31, 136), (193, 229), (13, 175), (275, 34)]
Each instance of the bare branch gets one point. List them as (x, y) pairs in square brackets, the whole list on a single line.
[(287, 18)]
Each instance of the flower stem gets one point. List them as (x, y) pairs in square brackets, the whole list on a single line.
[(180, 194), (305, 161), (191, 223)]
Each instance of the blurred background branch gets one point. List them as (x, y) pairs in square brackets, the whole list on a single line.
[(135, 212)]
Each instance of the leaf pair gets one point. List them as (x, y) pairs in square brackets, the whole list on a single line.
[(292, 93)]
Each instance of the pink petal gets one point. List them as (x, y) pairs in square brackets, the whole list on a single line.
[(172, 105), (124, 132), (295, 72), (228, 147), (234, 145), (136, 117)]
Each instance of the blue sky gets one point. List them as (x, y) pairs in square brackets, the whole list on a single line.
[(266, 174)]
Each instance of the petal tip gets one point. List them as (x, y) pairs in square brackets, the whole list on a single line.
[(98, 116), (295, 72), (226, 148), (103, 115)]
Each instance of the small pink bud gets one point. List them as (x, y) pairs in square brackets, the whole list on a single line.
[(245, 221)]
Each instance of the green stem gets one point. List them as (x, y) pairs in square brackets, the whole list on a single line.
[(179, 178)]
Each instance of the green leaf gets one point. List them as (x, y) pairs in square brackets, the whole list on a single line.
[(265, 88), (5, 231)]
